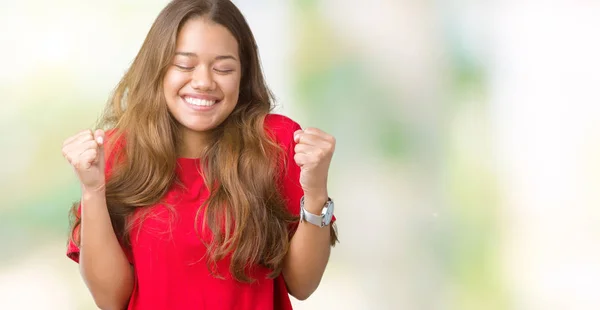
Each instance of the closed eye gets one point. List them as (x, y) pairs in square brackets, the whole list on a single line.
[(184, 68), (223, 71)]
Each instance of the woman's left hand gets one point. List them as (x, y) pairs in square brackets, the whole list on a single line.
[(313, 152)]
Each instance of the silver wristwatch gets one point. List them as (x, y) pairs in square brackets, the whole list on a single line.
[(318, 220)]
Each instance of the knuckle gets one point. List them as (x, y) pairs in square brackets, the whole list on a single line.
[(315, 160), (331, 147), (320, 153), (66, 152)]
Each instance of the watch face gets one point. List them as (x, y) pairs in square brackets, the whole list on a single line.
[(328, 214)]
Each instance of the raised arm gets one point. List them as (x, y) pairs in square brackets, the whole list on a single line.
[(102, 263), (310, 246)]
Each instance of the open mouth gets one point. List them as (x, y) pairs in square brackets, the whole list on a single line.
[(200, 102)]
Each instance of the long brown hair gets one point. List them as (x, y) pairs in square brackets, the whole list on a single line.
[(245, 210)]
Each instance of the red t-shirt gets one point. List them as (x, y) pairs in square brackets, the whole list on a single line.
[(168, 257)]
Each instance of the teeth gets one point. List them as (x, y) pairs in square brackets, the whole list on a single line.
[(199, 102)]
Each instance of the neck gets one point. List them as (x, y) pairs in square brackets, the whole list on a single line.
[(192, 143)]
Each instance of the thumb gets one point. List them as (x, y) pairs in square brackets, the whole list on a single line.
[(99, 136), (297, 134)]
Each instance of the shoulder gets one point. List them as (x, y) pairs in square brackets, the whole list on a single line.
[(113, 148), (114, 142), (114, 137), (281, 127)]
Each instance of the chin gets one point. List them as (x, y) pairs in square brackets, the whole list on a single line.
[(199, 127)]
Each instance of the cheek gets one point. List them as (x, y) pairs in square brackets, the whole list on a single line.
[(231, 86), (173, 82)]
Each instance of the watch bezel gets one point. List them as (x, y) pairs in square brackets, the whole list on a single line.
[(327, 212), (325, 217)]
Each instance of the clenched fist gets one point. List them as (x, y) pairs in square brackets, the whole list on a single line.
[(313, 152), (85, 153)]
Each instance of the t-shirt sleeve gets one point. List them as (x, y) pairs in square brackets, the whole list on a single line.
[(73, 250)]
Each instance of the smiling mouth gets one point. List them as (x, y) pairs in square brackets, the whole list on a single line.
[(199, 102)]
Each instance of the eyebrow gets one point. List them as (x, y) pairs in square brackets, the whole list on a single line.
[(193, 55)]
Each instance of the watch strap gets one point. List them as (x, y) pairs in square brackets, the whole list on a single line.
[(314, 219), (317, 220)]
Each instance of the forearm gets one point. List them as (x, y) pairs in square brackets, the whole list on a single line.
[(103, 264), (308, 255)]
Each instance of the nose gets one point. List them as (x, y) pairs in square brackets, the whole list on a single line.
[(202, 79)]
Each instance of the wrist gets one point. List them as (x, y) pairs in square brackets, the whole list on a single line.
[(315, 203), (92, 193), (316, 212), (316, 195)]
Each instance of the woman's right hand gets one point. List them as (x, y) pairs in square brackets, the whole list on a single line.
[(85, 153)]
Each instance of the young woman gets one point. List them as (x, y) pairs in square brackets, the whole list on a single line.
[(196, 197)]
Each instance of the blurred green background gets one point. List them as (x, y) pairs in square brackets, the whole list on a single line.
[(466, 174)]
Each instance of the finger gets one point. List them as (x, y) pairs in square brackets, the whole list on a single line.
[(297, 134), (318, 132), (89, 135), (99, 136), (77, 149), (308, 150), (75, 142), (86, 159), (314, 131), (87, 145), (314, 140), (302, 159), (77, 136), (74, 150)]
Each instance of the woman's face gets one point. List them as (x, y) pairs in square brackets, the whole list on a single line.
[(202, 84)]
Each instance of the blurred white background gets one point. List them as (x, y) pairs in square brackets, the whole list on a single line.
[(467, 171)]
